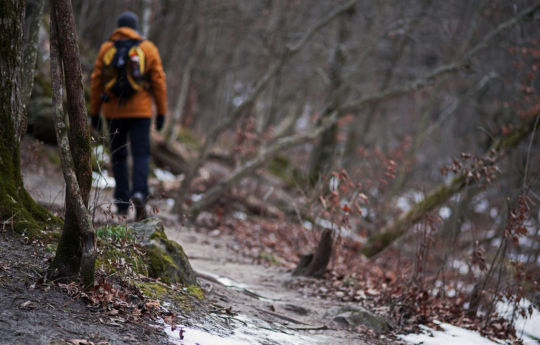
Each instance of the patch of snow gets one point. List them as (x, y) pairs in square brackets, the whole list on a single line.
[(307, 225), (196, 197), (103, 180), (342, 231), (481, 206), (240, 215), (445, 212), (238, 100), (467, 226), (164, 175), (403, 204), (526, 328), (461, 266), (333, 184), (246, 332), (101, 154), (496, 242), (450, 335), (192, 336), (170, 202), (493, 212), (364, 211), (302, 123), (325, 224), (417, 196)]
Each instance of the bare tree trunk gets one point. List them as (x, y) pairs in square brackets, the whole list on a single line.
[(33, 12), (176, 116), (442, 193), (146, 14), (314, 265), (76, 250), (16, 206), (323, 155)]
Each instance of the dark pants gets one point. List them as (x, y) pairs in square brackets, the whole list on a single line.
[(139, 137)]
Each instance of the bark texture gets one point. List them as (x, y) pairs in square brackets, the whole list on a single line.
[(17, 208), (33, 12), (323, 155), (314, 265), (76, 250)]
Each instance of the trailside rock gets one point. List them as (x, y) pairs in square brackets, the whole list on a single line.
[(166, 259), (352, 316)]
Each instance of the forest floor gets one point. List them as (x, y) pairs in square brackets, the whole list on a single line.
[(244, 255), (247, 300)]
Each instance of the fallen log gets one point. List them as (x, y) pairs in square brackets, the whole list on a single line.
[(166, 157), (441, 194)]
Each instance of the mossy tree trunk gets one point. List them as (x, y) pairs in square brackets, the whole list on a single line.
[(76, 252), (440, 195), (17, 208)]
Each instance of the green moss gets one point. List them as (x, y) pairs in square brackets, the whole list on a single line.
[(42, 83), (189, 138), (195, 291), (279, 166), (269, 258), (282, 168), (115, 233), (157, 235), (111, 259), (168, 261), (162, 292)]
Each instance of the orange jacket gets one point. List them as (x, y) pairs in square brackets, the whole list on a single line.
[(140, 104)]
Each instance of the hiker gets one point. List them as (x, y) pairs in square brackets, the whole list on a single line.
[(127, 76)]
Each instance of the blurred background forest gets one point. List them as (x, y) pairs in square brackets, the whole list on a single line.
[(362, 110)]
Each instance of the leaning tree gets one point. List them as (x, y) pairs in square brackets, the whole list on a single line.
[(76, 252)]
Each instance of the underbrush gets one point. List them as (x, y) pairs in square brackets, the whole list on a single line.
[(459, 264)]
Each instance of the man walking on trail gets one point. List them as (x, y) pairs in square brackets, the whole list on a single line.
[(128, 75)]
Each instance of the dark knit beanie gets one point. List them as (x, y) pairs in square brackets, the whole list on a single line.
[(128, 19)]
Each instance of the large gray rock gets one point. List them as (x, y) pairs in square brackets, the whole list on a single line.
[(353, 316), (166, 259)]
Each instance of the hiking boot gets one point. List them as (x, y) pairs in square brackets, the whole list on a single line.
[(122, 210), (140, 209)]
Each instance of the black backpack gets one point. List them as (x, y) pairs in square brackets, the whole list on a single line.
[(123, 74)]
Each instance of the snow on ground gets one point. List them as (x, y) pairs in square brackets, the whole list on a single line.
[(103, 180), (164, 175), (527, 329), (450, 335), (246, 333)]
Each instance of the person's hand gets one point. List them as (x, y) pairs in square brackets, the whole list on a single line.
[(96, 122), (160, 121)]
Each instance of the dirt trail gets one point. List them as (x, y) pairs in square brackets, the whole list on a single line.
[(264, 308), (258, 293)]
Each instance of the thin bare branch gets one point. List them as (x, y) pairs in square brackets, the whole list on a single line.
[(264, 155), (250, 99), (456, 65)]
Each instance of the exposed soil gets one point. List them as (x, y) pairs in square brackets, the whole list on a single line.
[(43, 313)]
